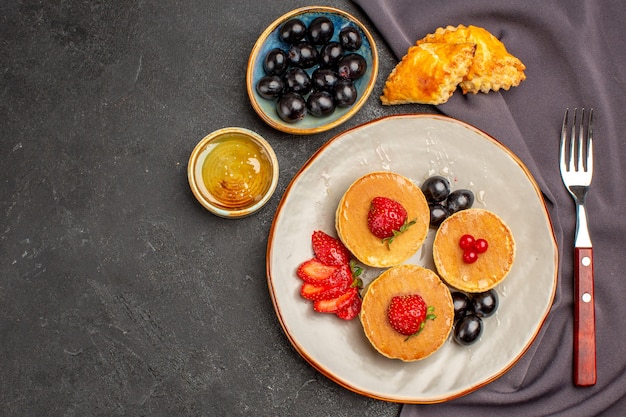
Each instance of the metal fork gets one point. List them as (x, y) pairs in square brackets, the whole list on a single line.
[(576, 163)]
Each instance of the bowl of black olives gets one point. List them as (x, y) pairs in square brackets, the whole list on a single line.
[(311, 70)]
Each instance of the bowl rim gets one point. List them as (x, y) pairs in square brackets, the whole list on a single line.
[(193, 179), (293, 129)]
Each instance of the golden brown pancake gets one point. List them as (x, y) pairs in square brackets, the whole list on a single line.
[(351, 219), (407, 280), (491, 267)]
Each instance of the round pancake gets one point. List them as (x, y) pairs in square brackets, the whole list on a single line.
[(351, 219), (406, 280), (491, 267)]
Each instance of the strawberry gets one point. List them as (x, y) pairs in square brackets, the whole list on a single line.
[(387, 218), (317, 292), (328, 249), (407, 313), (332, 305), (316, 272), (342, 277), (331, 278), (335, 285), (350, 311)]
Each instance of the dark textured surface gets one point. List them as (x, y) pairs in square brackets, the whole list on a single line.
[(119, 294)]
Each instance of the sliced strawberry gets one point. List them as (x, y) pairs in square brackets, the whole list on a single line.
[(328, 249), (334, 286), (316, 292), (316, 272), (333, 304), (342, 277), (351, 311)]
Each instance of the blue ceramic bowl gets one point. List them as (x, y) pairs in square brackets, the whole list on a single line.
[(269, 39)]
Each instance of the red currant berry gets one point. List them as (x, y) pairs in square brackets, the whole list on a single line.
[(466, 242), (470, 256), (481, 245)]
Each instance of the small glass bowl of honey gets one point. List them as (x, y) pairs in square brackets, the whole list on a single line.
[(233, 172)]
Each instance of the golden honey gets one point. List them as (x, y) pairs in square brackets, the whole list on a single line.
[(236, 172)]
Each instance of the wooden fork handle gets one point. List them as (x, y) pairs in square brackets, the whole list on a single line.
[(584, 319)]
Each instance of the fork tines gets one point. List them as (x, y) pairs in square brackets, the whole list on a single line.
[(579, 149)]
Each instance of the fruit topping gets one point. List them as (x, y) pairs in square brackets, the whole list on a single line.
[(407, 314), (328, 249), (317, 292), (470, 256), (350, 311), (387, 219), (472, 247), (481, 245), (331, 278), (316, 272), (332, 305), (466, 242)]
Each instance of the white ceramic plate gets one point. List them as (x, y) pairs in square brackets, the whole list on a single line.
[(416, 146)]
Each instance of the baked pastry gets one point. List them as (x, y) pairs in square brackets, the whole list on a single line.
[(429, 73), (401, 281), (351, 219), (490, 267), (492, 68)]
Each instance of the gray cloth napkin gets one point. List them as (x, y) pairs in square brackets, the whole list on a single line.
[(575, 54)]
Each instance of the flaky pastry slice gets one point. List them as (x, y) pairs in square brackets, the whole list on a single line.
[(429, 73), (493, 67)]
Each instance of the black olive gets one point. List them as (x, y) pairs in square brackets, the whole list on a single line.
[(291, 107), (460, 200), (292, 31), (270, 87), (485, 303), (436, 188), (468, 330)]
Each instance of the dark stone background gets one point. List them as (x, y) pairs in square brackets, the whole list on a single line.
[(119, 294)]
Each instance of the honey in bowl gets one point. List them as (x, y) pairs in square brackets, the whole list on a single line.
[(233, 172)]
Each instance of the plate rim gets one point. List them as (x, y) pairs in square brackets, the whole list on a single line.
[(412, 400)]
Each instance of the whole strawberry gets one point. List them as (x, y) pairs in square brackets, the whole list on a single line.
[(408, 313), (387, 218)]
